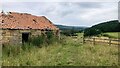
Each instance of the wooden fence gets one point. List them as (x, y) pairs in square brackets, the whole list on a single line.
[(96, 40)]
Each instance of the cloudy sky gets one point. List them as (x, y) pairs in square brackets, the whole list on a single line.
[(67, 13)]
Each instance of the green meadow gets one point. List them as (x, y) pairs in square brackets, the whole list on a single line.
[(112, 34)]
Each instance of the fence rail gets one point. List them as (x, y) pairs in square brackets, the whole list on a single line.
[(102, 40)]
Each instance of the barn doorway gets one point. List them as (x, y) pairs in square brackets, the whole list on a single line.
[(25, 37)]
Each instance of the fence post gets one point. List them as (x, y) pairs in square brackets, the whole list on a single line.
[(83, 40), (93, 41), (109, 41)]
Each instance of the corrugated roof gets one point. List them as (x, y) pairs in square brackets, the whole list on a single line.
[(14, 20)]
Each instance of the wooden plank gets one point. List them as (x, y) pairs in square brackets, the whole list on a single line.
[(107, 41)]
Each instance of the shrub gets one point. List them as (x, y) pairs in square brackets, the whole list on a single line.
[(47, 38), (92, 32), (38, 40), (51, 38)]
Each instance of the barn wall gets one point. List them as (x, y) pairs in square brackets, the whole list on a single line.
[(11, 37), (14, 37), (1, 37)]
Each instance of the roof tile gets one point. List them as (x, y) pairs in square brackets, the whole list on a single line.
[(14, 20)]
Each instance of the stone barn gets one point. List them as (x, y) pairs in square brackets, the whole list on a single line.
[(16, 28)]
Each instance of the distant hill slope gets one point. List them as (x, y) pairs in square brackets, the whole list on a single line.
[(70, 30), (63, 27), (109, 26)]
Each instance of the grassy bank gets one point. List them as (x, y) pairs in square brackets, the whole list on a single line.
[(112, 34), (69, 51)]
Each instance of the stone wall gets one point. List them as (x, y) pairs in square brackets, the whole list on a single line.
[(11, 37), (14, 37)]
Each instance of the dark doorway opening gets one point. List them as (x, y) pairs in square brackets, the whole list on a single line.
[(25, 37)]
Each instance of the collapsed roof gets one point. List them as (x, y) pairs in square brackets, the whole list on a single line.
[(14, 20)]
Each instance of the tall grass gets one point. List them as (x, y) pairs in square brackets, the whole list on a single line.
[(66, 52)]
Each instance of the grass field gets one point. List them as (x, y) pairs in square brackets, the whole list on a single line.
[(68, 52), (113, 34)]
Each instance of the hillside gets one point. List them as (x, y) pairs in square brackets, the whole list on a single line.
[(70, 30), (63, 27), (109, 26)]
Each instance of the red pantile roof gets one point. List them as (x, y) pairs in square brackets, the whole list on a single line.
[(14, 20)]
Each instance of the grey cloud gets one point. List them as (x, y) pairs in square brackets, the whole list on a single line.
[(69, 13), (60, 0), (89, 4)]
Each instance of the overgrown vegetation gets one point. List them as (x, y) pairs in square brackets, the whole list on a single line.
[(47, 38), (67, 52), (38, 41), (51, 38)]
